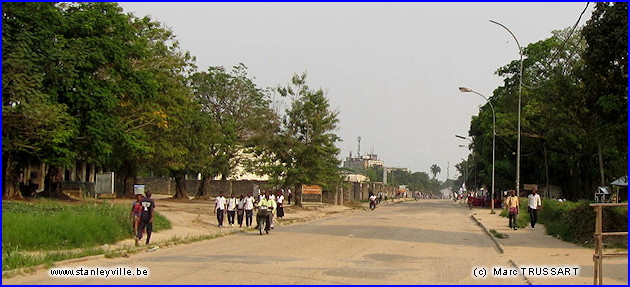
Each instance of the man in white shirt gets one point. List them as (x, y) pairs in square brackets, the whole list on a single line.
[(279, 206), (231, 209), (533, 204), (219, 208), (249, 209)]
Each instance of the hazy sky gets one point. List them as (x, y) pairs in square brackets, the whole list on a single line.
[(392, 70)]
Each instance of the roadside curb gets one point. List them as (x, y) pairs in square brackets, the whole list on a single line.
[(485, 230)]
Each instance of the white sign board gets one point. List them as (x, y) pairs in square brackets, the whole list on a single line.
[(104, 183), (138, 189)]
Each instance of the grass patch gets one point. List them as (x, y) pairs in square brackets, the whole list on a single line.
[(575, 222), (51, 225), (13, 259)]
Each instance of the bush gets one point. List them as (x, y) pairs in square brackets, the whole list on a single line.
[(575, 221), (47, 225)]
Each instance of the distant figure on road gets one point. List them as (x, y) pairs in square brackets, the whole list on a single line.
[(533, 205), (512, 205), (249, 209), (219, 208), (146, 217), (231, 208), (280, 207), (289, 195)]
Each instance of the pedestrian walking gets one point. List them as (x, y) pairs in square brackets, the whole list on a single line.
[(231, 208), (280, 208), (534, 203), (240, 210), (219, 208), (249, 209), (512, 206), (146, 218), (289, 196), (136, 210)]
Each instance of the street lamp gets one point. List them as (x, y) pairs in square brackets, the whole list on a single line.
[(494, 135), (520, 86)]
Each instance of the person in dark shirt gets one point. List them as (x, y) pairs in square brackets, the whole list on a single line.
[(146, 217)]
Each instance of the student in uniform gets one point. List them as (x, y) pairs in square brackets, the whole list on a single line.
[(231, 208), (219, 208)]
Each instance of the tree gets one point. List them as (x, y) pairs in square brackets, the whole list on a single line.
[(83, 81), (34, 125), (605, 75), (238, 116), (574, 111), (435, 169), (304, 148)]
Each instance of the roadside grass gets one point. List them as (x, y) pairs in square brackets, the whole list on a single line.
[(47, 231), (575, 221), (51, 225), (12, 258)]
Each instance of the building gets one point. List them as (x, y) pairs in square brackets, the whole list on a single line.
[(362, 161)]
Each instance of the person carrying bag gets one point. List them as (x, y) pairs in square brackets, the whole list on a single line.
[(512, 204)]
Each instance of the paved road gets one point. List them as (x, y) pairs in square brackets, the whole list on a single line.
[(416, 242)]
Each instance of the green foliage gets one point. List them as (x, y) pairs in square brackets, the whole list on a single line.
[(55, 226), (237, 115), (304, 150), (575, 221), (574, 110)]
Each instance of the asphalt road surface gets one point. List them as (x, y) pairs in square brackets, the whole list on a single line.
[(415, 242)]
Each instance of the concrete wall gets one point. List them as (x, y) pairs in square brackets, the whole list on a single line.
[(167, 186)]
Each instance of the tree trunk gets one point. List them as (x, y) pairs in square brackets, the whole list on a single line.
[(203, 193), (130, 174), (298, 195), (10, 179), (180, 186), (53, 183), (601, 162)]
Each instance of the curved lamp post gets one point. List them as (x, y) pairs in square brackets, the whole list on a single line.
[(494, 134), (520, 85)]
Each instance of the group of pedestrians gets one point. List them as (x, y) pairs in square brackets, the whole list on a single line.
[(142, 211), (243, 207), (237, 209), (534, 204)]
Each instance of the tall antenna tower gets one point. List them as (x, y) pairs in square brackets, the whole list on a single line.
[(359, 148)]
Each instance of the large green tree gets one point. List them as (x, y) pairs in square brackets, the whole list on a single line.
[(237, 115), (90, 79), (304, 149)]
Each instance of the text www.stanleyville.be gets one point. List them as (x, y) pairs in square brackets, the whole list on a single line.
[(112, 272)]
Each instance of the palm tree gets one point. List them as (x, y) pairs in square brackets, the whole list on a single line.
[(435, 169)]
